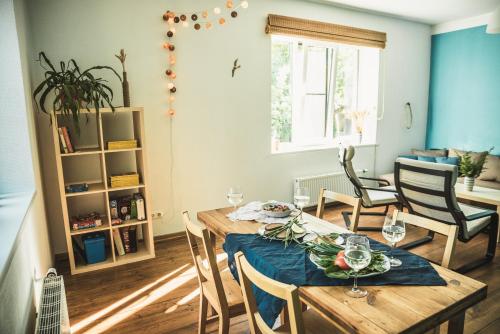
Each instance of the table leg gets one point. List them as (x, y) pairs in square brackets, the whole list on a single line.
[(498, 233), (456, 324), (213, 241)]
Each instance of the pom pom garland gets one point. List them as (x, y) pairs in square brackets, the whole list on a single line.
[(207, 19)]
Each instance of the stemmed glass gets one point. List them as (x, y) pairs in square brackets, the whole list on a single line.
[(234, 196), (301, 198), (357, 256), (393, 231)]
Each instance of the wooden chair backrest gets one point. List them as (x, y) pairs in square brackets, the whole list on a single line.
[(448, 230), (206, 273), (290, 293), (327, 194)]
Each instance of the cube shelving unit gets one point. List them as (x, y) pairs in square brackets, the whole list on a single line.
[(92, 163)]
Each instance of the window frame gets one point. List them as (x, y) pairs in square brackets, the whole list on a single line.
[(327, 141)]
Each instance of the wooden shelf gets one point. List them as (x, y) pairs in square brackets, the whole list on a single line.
[(107, 110), (94, 188), (86, 151), (83, 267), (73, 169), (124, 150), (141, 254), (131, 222), (103, 227), (141, 185)]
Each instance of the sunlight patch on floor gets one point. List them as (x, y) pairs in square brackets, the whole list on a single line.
[(102, 313)]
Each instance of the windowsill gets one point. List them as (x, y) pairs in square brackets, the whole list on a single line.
[(13, 209), (316, 147)]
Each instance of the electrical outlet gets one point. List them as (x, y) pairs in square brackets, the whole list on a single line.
[(157, 214)]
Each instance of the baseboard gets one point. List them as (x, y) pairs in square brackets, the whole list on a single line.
[(170, 237)]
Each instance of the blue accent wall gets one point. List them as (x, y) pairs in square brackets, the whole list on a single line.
[(464, 96)]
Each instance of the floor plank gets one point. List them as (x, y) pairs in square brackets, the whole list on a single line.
[(161, 295)]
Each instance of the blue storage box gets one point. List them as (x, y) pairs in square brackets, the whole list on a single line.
[(94, 247)]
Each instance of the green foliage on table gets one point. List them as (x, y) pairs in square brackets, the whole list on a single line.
[(289, 230), (327, 253), (470, 167), (73, 89)]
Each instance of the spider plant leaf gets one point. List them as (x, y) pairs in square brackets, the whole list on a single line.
[(42, 56)]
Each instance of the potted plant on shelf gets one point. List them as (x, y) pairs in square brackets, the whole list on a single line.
[(72, 89), (470, 168)]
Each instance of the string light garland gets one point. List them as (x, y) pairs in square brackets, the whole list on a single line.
[(206, 19)]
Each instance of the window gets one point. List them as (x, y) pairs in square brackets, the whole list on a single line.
[(322, 93)]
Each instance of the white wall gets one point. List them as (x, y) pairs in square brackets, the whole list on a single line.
[(221, 134), (32, 256)]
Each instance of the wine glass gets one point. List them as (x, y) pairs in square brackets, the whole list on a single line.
[(357, 256), (393, 231), (234, 196), (301, 198)]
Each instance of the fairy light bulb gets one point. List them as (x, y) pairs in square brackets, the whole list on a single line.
[(171, 98), (229, 4), (217, 10), (222, 21), (204, 14), (185, 24), (170, 85), (171, 112), (244, 4), (170, 21), (208, 25)]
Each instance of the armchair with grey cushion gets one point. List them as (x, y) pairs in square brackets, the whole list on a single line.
[(428, 190), (370, 197)]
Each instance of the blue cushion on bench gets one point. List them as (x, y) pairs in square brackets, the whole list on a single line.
[(428, 159), (448, 160)]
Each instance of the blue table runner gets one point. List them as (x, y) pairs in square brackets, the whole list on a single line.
[(291, 265)]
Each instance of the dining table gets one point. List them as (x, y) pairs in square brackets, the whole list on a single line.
[(387, 308)]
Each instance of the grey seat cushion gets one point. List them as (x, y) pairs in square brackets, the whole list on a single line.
[(383, 197), (476, 225)]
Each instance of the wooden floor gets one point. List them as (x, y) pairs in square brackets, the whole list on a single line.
[(161, 295)]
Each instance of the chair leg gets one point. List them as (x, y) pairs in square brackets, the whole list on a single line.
[(354, 227), (224, 323), (202, 321), (490, 252), (428, 238)]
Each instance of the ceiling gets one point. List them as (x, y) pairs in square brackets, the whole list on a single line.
[(425, 11)]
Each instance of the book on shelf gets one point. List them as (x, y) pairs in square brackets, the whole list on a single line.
[(125, 239), (141, 209), (62, 141), (67, 139), (118, 242)]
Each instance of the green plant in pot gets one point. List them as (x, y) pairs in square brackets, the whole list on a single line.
[(72, 89), (471, 168)]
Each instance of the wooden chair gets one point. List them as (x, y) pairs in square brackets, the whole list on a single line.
[(218, 289), (366, 197), (428, 191), (299, 322)]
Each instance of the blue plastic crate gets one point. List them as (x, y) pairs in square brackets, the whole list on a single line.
[(94, 247)]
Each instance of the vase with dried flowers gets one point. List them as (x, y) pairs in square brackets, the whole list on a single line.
[(126, 92), (358, 118)]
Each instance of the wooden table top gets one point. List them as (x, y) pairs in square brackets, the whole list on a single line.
[(389, 309), (478, 194)]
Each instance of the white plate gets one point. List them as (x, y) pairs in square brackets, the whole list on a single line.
[(387, 265)]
